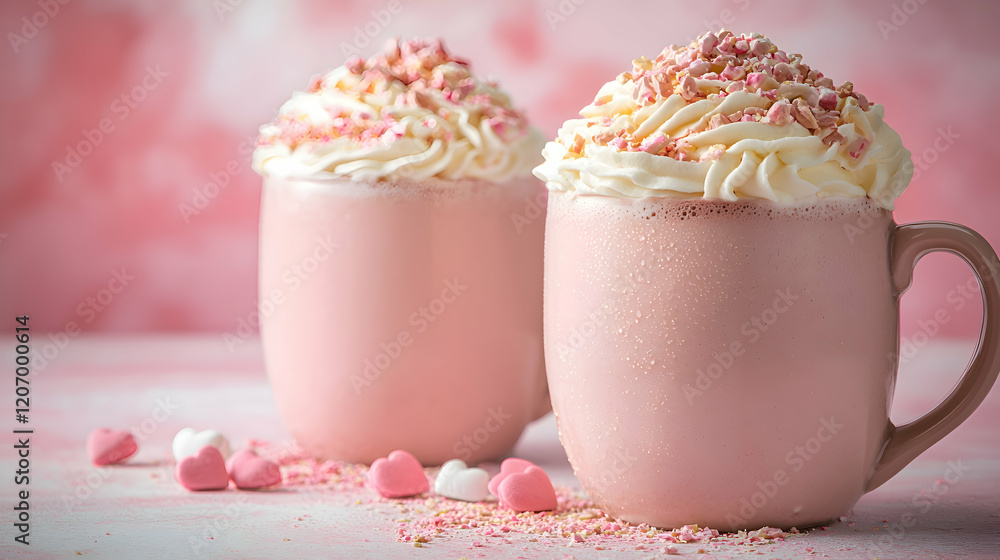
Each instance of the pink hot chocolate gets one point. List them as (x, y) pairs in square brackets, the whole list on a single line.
[(409, 317), (722, 338), (400, 261), (732, 363)]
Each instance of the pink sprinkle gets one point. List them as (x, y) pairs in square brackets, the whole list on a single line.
[(391, 49), (770, 533), (685, 58), (755, 79), (834, 136), (824, 83), (725, 45), (643, 91), (654, 144), (782, 72), (863, 102), (718, 120), (855, 149), (803, 114), (661, 82), (355, 65), (699, 67), (708, 43), (760, 47), (712, 155), (828, 100), (733, 73), (726, 60), (437, 80), (689, 88), (604, 138), (315, 83), (499, 126), (736, 86), (466, 86)]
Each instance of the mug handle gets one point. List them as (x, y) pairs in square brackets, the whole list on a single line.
[(909, 243)]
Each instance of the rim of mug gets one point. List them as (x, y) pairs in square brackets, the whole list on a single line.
[(850, 205), (397, 186)]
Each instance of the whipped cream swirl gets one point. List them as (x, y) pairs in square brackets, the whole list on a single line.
[(728, 117), (412, 112)]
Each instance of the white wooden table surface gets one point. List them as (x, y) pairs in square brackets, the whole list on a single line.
[(139, 512)]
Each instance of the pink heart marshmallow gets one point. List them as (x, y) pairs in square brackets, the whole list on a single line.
[(205, 470), (107, 447), (250, 471), (398, 476), (530, 490), (508, 467)]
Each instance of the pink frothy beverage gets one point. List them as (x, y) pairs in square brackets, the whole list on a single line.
[(401, 259), (722, 283)]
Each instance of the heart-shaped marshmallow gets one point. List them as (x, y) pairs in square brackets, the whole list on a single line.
[(205, 470), (530, 490), (398, 476), (457, 481), (107, 447), (187, 442), (508, 467), (250, 471)]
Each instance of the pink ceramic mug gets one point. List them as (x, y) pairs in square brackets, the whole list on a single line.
[(403, 315), (732, 364)]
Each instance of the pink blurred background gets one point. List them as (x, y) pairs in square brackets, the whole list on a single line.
[(181, 87)]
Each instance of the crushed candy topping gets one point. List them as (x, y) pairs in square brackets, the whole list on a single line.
[(418, 73), (714, 66)]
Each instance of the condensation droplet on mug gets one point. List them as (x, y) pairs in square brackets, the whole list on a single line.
[(638, 314)]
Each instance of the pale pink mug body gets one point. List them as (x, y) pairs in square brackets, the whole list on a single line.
[(732, 364), (403, 315)]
